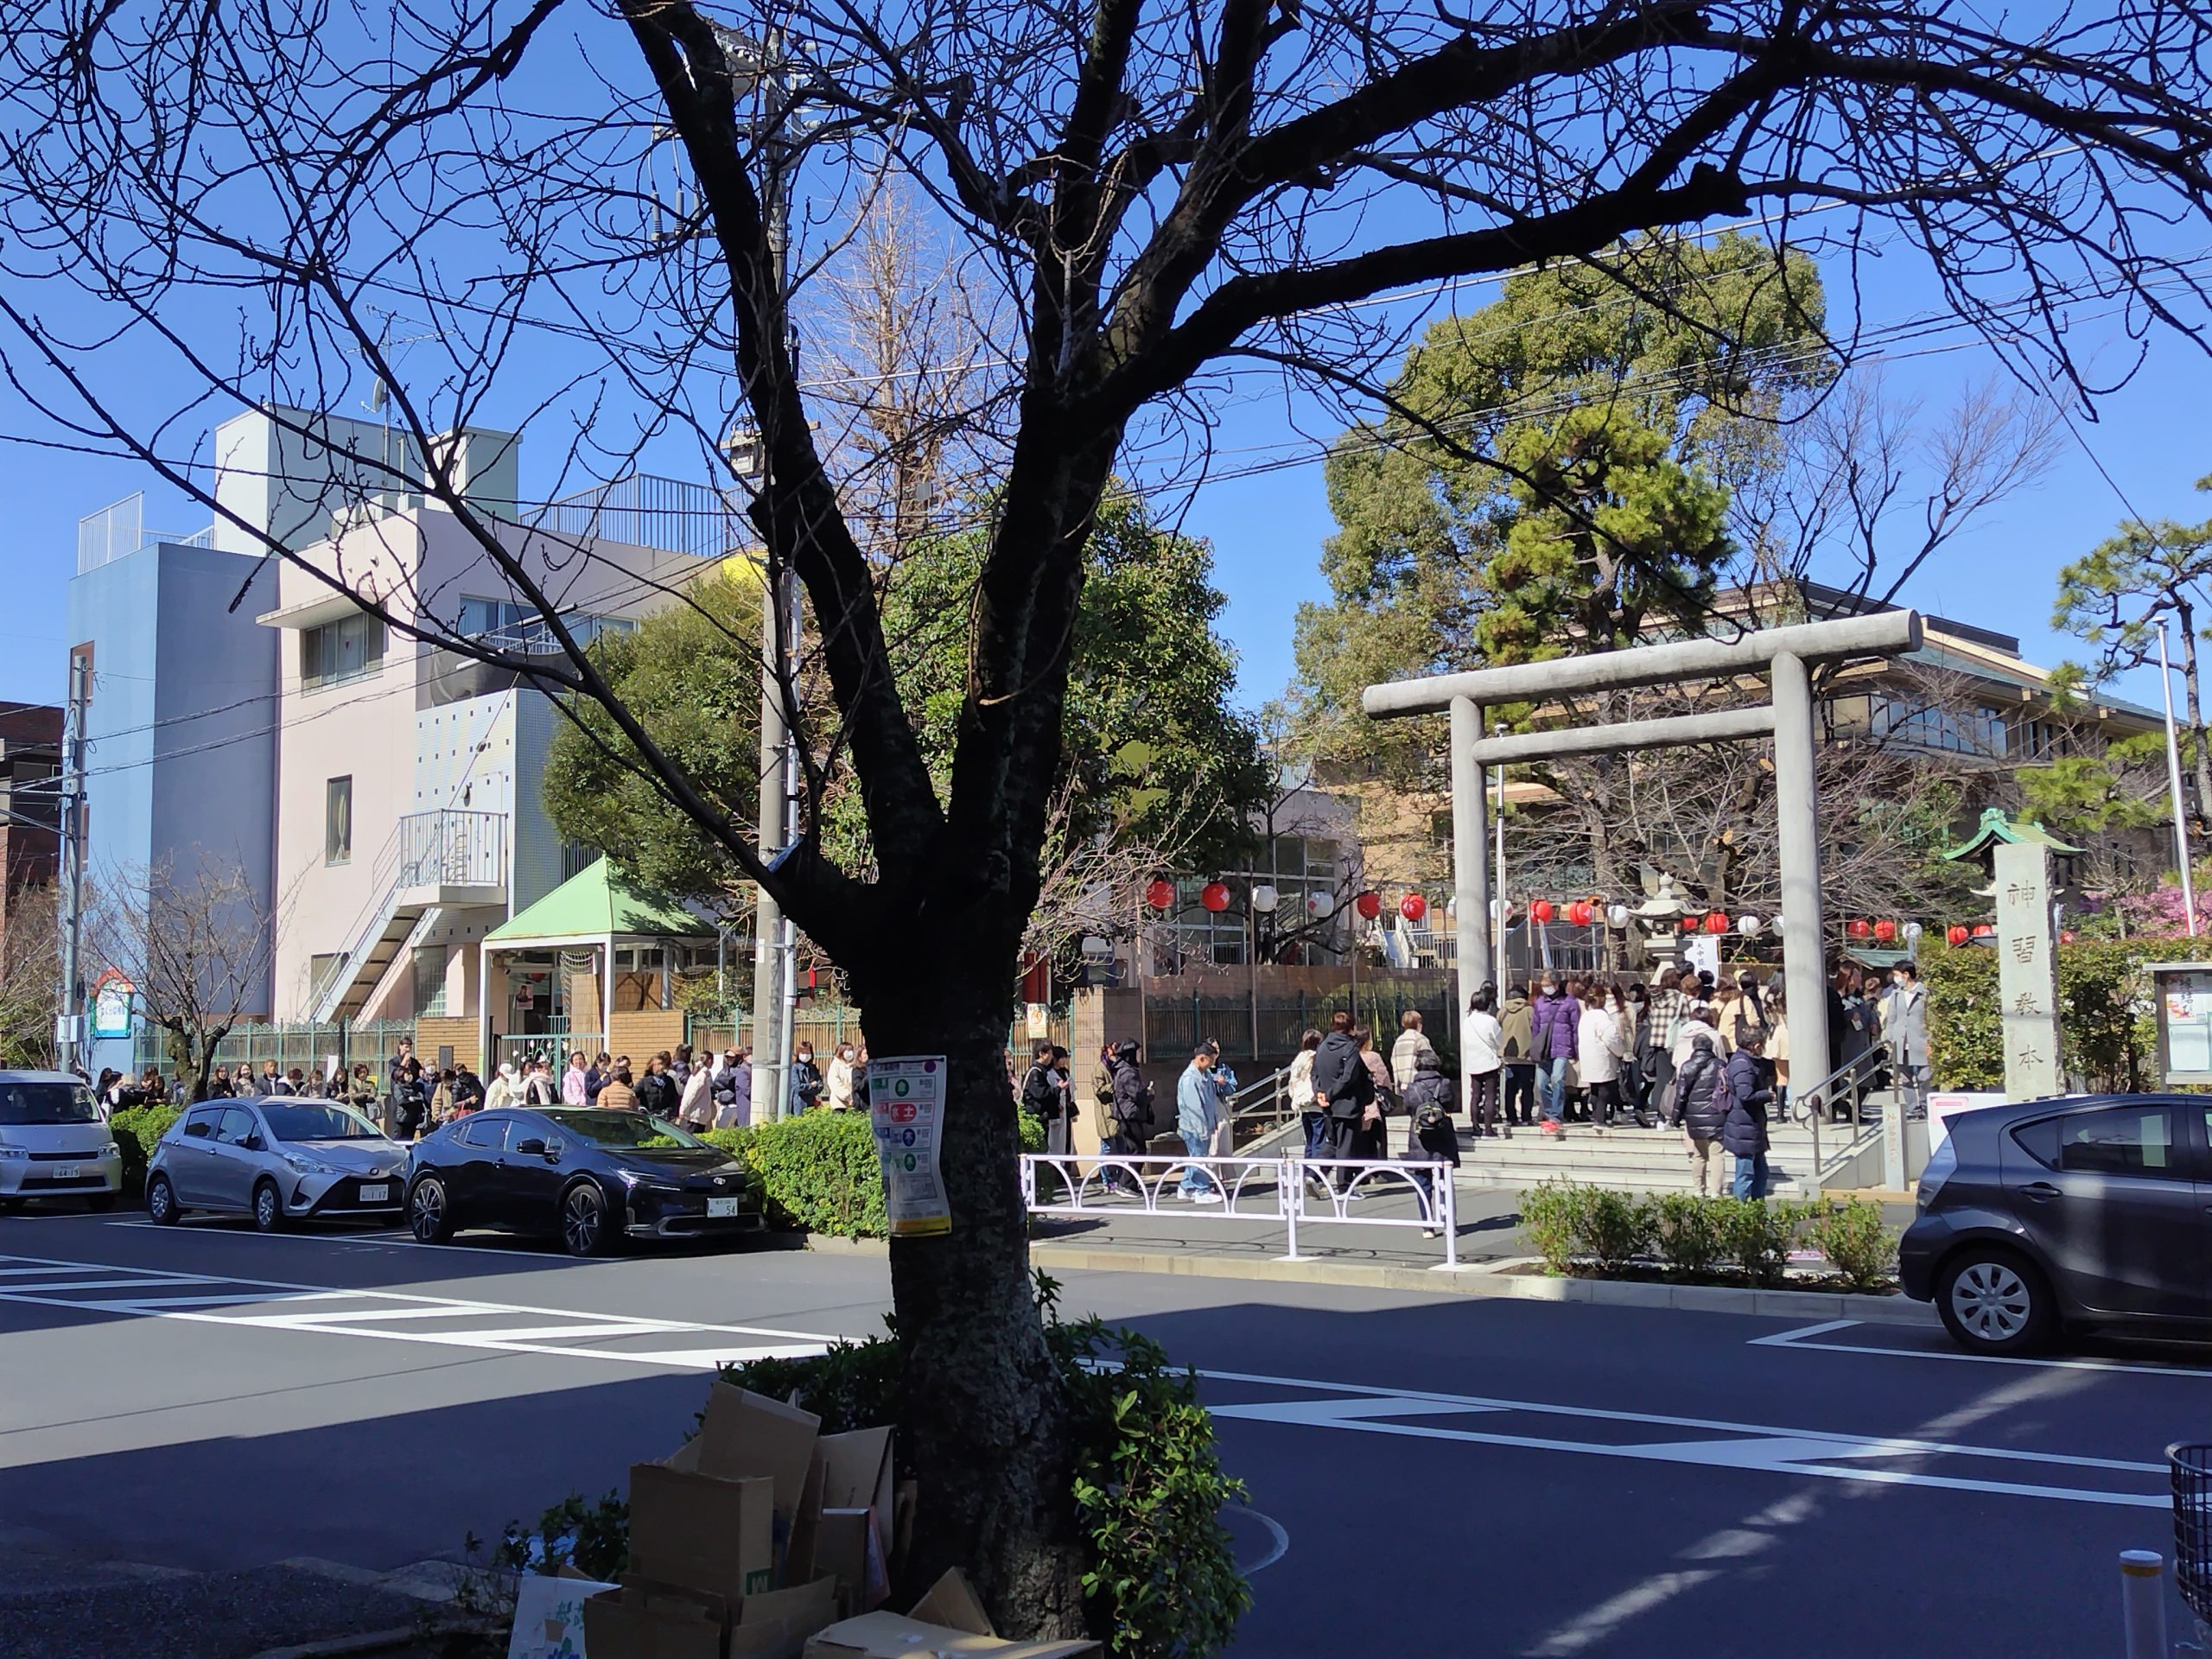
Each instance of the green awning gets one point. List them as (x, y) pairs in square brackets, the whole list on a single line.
[(597, 900), (1996, 825)]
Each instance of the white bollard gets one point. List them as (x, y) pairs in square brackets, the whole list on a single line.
[(2143, 1603)]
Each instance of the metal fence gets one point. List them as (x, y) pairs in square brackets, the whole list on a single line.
[(1295, 1191), (452, 848), (1272, 1026), (827, 1028), (308, 1046)]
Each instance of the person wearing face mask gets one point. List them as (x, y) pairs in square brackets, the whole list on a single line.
[(1557, 1021), (1904, 1023), (1517, 1086)]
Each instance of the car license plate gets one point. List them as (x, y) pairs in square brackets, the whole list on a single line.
[(717, 1208), (66, 1172), (377, 1194)]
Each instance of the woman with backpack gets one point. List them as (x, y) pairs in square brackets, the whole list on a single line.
[(1430, 1137), (1701, 1104)]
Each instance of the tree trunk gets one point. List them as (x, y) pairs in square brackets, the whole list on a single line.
[(986, 1423)]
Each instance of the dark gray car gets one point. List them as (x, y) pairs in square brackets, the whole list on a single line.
[(2091, 1210)]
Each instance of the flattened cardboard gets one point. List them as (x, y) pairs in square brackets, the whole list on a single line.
[(846, 1547), (777, 1625), (857, 1473), (953, 1603), (887, 1636), (745, 1434), (702, 1533), (645, 1620), (549, 1615)]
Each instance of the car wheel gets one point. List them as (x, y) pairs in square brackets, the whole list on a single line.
[(1992, 1302), (161, 1202), (586, 1229), (100, 1201), (430, 1211), (267, 1208)]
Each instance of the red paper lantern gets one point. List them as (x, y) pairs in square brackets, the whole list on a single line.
[(1541, 910), (1369, 904), (1858, 927), (1885, 930), (1579, 913), (1716, 922), (1413, 907), (1160, 895), (1215, 896), (1984, 930), (1956, 934)]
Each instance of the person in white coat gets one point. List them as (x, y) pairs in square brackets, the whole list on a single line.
[(1485, 1063), (1599, 1050)]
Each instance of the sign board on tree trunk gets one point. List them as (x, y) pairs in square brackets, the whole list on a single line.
[(905, 1104), (2027, 972)]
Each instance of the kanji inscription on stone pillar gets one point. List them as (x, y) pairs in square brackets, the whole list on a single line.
[(2027, 972)]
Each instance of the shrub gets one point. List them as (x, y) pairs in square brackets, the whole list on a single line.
[(1161, 1576), (1032, 1129), (1857, 1243), (592, 1538), (1758, 1234), (820, 1171), (1614, 1227), (1551, 1214), (136, 1129), (2108, 1025), (1688, 1232)]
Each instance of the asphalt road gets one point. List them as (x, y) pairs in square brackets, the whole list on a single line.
[(1429, 1475)]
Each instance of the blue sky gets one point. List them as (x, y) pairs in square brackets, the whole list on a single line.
[(1268, 530)]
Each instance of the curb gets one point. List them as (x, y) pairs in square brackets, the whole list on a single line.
[(1472, 1279)]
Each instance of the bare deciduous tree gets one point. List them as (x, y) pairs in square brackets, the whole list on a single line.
[(1162, 195), (30, 974), (195, 943)]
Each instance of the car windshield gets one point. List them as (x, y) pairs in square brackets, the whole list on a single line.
[(316, 1123), (622, 1131), (23, 1105)]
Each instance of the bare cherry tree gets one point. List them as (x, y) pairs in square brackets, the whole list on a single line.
[(195, 940), (258, 203), (30, 974)]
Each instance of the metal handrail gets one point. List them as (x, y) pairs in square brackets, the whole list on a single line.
[(424, 849), (1809, 1105), (1276, 1110)]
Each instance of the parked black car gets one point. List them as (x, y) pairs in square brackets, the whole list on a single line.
[(592, 1176), (2089, 1210)]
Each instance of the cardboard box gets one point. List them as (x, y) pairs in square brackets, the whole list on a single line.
[(949, 1620), (549, 1614), (745, 1436), (645, 1620), (702, 1533), (777, 1625), (845, 1548), (887, 1635), (850, 1471)]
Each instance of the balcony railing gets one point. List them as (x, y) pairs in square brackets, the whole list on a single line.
[(451, 849)]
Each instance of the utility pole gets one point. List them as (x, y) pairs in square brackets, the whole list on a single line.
[(774, 941), (70, 1005), (2173, 783)]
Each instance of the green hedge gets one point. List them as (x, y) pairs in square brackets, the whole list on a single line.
[(2108, 1026), (136, 1129), (820, 1171), (1574, 1227), (1160, 1580)]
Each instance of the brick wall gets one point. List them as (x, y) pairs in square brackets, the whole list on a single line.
[(641, 1035), (431, 1035)]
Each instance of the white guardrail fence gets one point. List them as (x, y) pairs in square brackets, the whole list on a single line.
[(1296, 1191)]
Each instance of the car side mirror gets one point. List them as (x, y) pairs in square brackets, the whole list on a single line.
[(531, 1148), (254, 1143)]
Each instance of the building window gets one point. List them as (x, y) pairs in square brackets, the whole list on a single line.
[(504, 625), (1964, 730), (321, 971), (340, 651), (429, 965), (338, 821)]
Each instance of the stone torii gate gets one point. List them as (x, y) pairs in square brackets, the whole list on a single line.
[(1787, 654)]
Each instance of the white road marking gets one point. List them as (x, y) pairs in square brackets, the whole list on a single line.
[(495, 1327), (1799, 1339), (1280, 1546), (1816, 1453)]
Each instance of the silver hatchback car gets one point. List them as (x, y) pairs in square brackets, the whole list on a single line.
[(278, 1161)]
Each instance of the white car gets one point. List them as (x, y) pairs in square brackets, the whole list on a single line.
[(53, 1143)]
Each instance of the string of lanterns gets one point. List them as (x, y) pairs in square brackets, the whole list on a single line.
[(1215, 897)]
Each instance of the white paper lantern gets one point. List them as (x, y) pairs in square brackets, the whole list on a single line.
[(1912, 931), (1617, 915), (1777, 926), (1748, 925), (1318, 904), (1264, 899)]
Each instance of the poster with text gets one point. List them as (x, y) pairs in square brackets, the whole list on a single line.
[(2188, 1014), (905, 1104)]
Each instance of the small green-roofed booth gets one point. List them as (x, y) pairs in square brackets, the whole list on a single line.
[(1998, 828), (596, 926)]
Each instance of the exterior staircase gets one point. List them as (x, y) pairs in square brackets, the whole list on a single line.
[(433, 860), (1655, 1160)]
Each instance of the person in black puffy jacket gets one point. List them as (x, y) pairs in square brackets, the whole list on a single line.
[(1744, 1133), (1701, 1106), (1132, 1116)]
